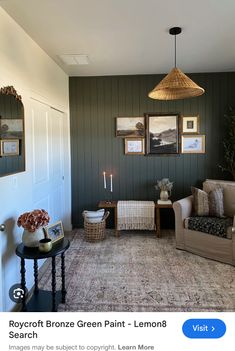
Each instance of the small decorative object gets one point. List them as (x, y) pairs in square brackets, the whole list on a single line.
[(45, 245), (190, 124), (130, 127), (55, 231), (106, 187), (162, 134), (33, 223), (134, 146), (193, 144), (165, 187)]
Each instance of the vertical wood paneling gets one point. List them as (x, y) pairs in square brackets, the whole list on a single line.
[(10, 108), (94, 104)]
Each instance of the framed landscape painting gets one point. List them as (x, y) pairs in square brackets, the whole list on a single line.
[(162, 134), (11, 128), (130, 127), (193, 144)]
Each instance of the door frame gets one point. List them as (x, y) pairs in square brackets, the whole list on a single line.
[(1, 275)]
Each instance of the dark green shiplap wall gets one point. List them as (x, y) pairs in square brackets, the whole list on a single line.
[(94, 104)]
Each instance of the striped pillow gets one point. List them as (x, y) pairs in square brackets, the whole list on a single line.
[(200, 202), (216, 202)]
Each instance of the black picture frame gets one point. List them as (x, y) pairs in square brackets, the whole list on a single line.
[(162, 133)]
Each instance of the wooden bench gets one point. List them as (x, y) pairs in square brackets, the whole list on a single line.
[(113, 205)]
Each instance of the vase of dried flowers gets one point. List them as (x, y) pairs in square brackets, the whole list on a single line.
[(165, 187), (33, 223)]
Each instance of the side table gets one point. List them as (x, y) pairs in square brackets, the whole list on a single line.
[(158, 206), (41, 300)]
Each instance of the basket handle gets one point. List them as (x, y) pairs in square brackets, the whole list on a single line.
[(106, 215)]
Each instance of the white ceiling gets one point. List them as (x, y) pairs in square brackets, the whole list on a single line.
[(131, 36)]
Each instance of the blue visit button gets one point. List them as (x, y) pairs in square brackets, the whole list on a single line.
[(204, 328)]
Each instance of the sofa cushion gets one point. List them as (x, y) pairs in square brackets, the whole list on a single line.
[(229, 193), (211, 225), (200, 202)]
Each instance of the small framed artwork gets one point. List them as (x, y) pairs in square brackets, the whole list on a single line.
[(190, 124), (55, 231), (11, 128), (134, 146), (9, 147), (193, 144), (162, 136), (130, 127)]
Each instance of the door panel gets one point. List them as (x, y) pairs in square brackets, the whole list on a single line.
[(48, 184), (40, 144), (56, 164)]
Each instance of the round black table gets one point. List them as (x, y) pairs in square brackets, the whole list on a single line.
[(40, 300)]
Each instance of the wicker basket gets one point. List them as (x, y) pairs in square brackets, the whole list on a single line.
[(95, 231)]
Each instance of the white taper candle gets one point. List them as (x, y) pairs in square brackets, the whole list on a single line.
[(111, 182), (104, 175)]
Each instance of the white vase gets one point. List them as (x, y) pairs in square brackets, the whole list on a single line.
[(164, 195), (31, 239)]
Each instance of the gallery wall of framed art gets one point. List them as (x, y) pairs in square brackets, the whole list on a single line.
[(161, 134)]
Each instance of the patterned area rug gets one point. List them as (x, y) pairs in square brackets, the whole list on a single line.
[(141, 273)]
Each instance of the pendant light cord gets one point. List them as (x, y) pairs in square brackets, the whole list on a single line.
[(175, 51)]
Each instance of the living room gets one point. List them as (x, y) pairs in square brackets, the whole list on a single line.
[(70, 124)]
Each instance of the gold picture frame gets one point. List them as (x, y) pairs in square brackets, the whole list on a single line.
[(193, 144), (55, 231), (130, 127), (190, 124), (134, 146), (9, 147)]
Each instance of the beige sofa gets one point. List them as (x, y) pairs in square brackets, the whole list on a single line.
[(203, 244)]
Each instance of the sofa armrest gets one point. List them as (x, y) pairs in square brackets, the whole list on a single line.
[(183, 209)]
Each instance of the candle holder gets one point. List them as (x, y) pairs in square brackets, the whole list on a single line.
[(109, 200)]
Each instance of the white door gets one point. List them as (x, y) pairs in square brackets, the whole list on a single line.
[(56, 164), (48, 176)]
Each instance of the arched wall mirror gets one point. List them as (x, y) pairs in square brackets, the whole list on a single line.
[(12, 138)]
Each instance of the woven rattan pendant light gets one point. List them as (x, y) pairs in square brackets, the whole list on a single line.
[(176, 85)]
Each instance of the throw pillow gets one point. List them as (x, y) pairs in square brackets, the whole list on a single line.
[(200, 202), (216, 202)]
